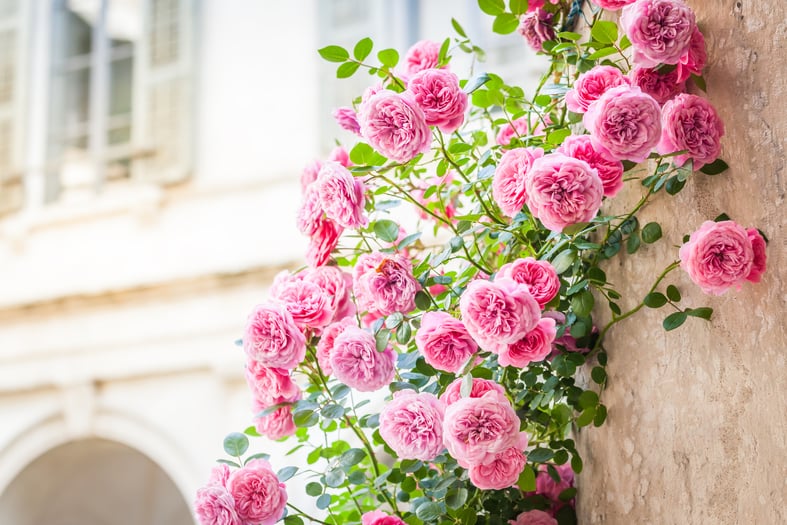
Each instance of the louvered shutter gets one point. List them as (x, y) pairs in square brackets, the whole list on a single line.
[(12, 16)]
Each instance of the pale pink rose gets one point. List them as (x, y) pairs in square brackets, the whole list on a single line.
[(310, 214), (500, 473), (508, 184), (214, 505), (718, 256), (347, 119), (337, 284), (412, 425), (591, 85), (537, 28), (453, 392), (625, 123), (610, 171), (760, 258), (661, 87), (498, 313), (439, 199), (394, 125), (548, 487), (270, 386), (259, 496), (534, 517), (308, 304), (477, 428), (515, 129), (383, 283), (309, 173), (535, 346), (540, 278), (437, 93), (326, 342), (562, 191), (272, 338), (323, 241), (276, 425), (659, 30), (693, 60), (357, 363), (370, 91), (219, 475), (690, 123), (421, 56), (378, 517), (444, 342), (613, 5), (341, 195)]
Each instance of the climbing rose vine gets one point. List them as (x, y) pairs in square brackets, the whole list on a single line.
[(455, 269)]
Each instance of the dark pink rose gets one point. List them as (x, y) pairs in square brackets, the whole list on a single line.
[(562, 191), (378, 517), (337, 284), (540, 278), (383, 283), (534, 517), (690, 123), (421, 56), (535, 346), (718, 256), (453, 392), (276, 425), (659, 30), (591, 85), (215, 506), (508, 184), (500, 473), (394, 125), (624, 123), (437, 93), (412, 425), (259, 496), (357, 363), (323, 241), (327, 339), (347, 119), (308, 304), (613, 5), (270, 386), (548, 487), (693, 60), (760, 258), (272, 339), (610, 171), (341, 195), (661, 87), (537, 28), (444, 342)]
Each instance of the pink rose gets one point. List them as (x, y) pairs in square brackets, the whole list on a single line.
[(219, 475), (357, 363), (323, 241), (378, 517), (453, 392), (535, 346), (760, 258), (444, 342), (625, 123), (327, 340), (272, 338), (693, 60), (421, 56), (610, 171), (562, 191), (719, 255), (539, 277), (661, 87), (537, 28), (384, 283), (498, 313), (517, 128), (437, 93), (534, 517), (310, 214), (259, 496), (475, 429), (308, 304), (276, 425), (270, 386), (508, 184), (659, 30), (566, 341), (310, 172), (394, 125), (347, 119), (690, 123), (613, 5), (215, 506), (591, 85), (341, 195), (340, 155), (548, 487), (412, 425), (500, 473), (337, 285)]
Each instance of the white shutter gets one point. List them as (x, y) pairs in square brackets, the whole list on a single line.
[(12, 16), (165, 87)]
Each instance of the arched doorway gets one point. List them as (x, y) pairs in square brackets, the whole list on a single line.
[(93, 482)]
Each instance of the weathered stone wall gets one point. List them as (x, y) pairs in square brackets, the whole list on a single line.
[(697, 425)]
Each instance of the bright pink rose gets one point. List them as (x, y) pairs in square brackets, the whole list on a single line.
[(562, 191), (548, 487), (613, 5), (659, 30), (444, 342), (421, 56), (508, 184), (412, 425), (340, 155), (540, 278), (347, 119), (357, 363), (475, 429), (215, 506), (453, 392), (661, 87), (327, 340), (760, 258), (690, 123), (625, 123), (394, 125), (719, 255), (337, 284), (323, 241), (383, 283), (378, 517), (537, 28), (259, 496), (609, 171), (500, 473), (437, 93), (535, 346), (270, 386), (276, 425), (272, 338), (591, 85), (498, 313), (308, 304), (693, 60), (341, 195), (534, 517)]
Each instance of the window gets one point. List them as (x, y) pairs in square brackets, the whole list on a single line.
[(12, 13)]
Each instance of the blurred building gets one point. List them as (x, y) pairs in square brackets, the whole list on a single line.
[(149, 160)]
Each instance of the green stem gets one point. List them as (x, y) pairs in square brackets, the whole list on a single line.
[(312, 518)]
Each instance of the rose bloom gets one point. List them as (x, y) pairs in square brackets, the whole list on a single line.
[(214, 505), (760, 259), (453, 392), (378, 517), (219, 475), (534, 517), (591, 85), (508, 184), (610, 171), (421, 56), (517, 128), (310, 172), (347, 119), (536, 27), (341, 195), (270, 386), (259, 496), (566, 341), (719, 255), (562, 191), (276, 425), (322, 242), (271, 337), (394, 125), (384, 283), (540, 278), (613, 5), (500, 473), (327, 340), (412, 425), (690, 123), (624, 123), (498, 313), (659, 30), (308, 304), (475, 429), (310, 213), (337, 284), (548, 487), (535, 346), (693, 60), (661, 87), (444, 341), (357, 363), (437, 93)]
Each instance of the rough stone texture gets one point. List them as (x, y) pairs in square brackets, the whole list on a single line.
[(697, 417)]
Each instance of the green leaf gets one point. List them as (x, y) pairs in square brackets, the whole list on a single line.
[(604, 31), (293, 520), (363, 48), (582, 303), (352, 457), (313, 489), (403, 333), (655, 300), (332, 411), (324, 501), (388, 57), (476, 82), (455, 498), (673, 293), (334, 478), (381, 339), (601, 53), (699, 81), (236, 444), (568, 35), (518, 7), (588, 399), (715, 167), (601, 415), (674, 185), (576, 463), (598, 374), (703, 312), (334, 53), (305, 418), (492, 7), (563, 261), (458, 28), (228, 462), (422, 300), (558, 136), (347, 69), (651, 232), (429, 511), (527, 480), (251, 431), (386, 230), (633, 243), (505, 23), (586, 417), (286, 473), (540, 455), (674, 320), (258, 455)]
